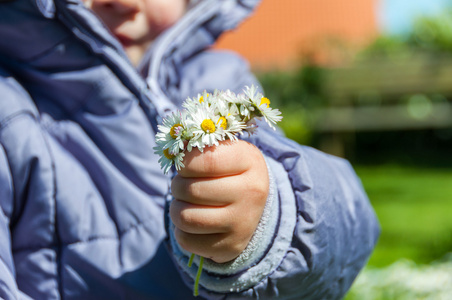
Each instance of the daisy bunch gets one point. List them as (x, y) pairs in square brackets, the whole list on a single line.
[(208, 119)]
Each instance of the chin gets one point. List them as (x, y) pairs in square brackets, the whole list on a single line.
[(135, 52)]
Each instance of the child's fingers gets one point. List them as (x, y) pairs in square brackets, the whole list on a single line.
[(228, 158), (201, 219), (217, 191), (218, 247), (220, 196)]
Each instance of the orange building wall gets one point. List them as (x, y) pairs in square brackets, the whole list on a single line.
[(281, 31)]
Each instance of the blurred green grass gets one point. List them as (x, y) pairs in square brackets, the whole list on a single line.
[(414, 208)]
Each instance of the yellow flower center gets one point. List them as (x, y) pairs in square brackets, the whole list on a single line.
[(167, 154), (208, 126), (223, 122), (265, 100), (175, 130)]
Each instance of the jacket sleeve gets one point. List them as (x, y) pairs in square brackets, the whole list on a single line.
[(334, 228), (8, 286), (322, 230)]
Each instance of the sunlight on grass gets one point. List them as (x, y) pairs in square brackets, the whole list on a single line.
[(413, 206)]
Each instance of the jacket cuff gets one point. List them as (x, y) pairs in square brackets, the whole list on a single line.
[(264, 252)]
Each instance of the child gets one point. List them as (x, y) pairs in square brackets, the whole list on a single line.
[(82, 194)]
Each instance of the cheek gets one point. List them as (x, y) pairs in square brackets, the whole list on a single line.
[(162, 17)]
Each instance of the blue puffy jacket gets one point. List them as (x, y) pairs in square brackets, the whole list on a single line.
[(83, 198)]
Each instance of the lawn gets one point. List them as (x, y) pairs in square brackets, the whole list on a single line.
[(414, 208)]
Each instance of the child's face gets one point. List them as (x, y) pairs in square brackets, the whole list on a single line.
[(136, 23)]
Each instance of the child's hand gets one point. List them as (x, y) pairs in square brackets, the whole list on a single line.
[(219, 198)]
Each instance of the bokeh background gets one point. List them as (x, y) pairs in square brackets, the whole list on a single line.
[(371, 81)]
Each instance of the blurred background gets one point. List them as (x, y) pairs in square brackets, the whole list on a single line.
[(371, 81)]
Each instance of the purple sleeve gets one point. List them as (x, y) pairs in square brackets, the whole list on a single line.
[(8, 286)]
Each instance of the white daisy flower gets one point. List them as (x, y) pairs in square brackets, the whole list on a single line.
[(172, 132), (226, 118), (271, 116), (168, 158), (260, 107), (205, 131), (193, 104)]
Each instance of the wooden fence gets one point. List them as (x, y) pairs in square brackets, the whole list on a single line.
[(401, 94)]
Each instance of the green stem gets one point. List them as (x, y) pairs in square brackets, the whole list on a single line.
[(198, 276), (190, 261)]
